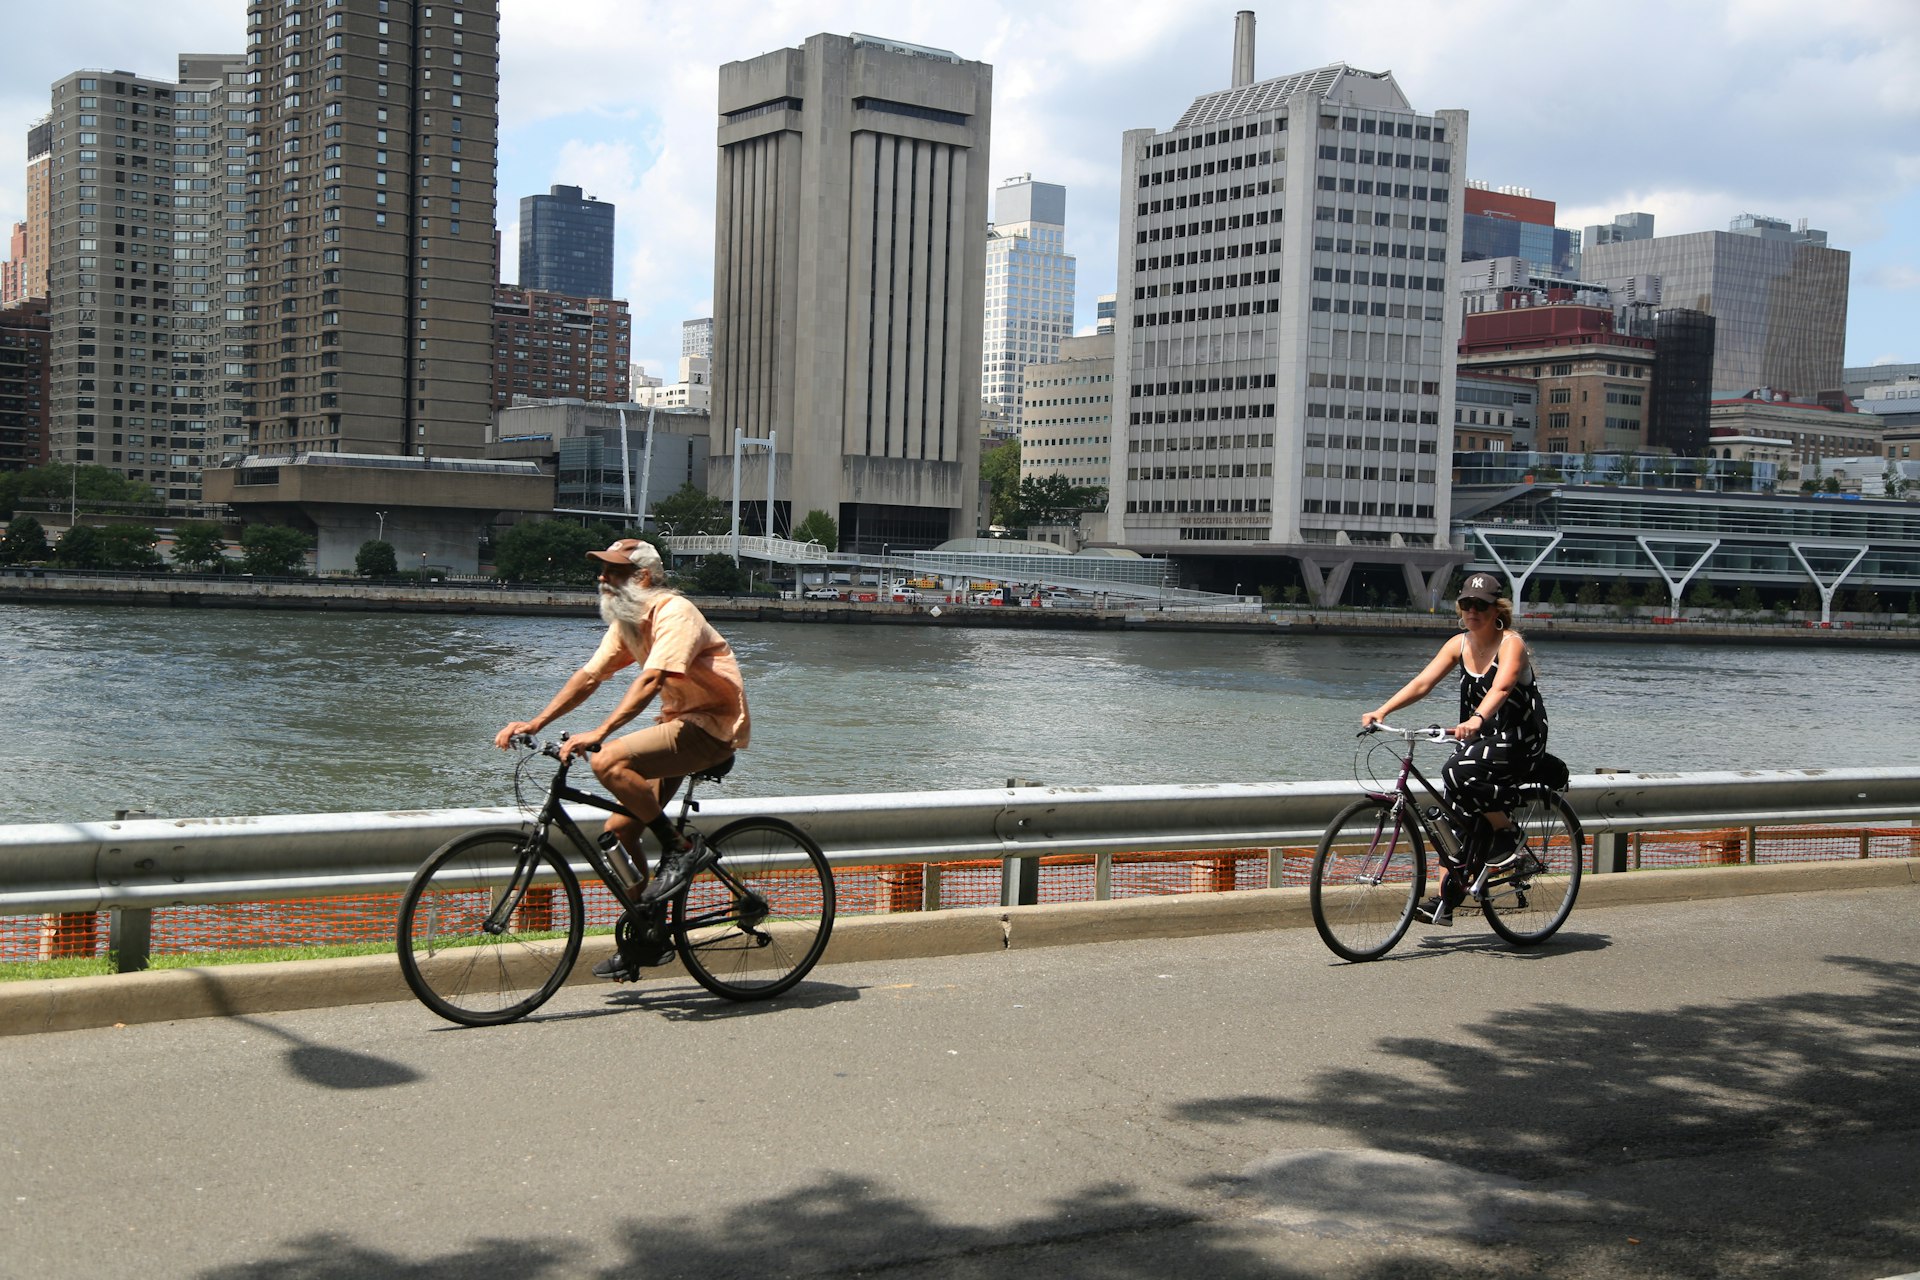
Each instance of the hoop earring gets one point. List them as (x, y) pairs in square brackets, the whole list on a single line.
[(1499, 624)]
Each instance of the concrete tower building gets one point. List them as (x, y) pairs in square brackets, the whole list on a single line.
[(133, 280), (1029, 288), (566, 244), (369, 226), (850, 251), (1284, 362), (1777, 295)]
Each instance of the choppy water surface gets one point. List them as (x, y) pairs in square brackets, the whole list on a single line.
[(204, 713)]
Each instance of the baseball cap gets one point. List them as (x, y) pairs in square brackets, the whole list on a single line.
[(629, 553), (1480, 586)]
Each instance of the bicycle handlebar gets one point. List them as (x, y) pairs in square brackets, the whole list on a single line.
[(1432, 733), (543, 747)]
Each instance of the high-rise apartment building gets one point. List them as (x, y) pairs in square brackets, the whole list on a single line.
[(361, 276), (1029, 288), (1777, 294), (1286, 328), (134, 287), (696, 337), (33, 279), (1103, 311), (849, 260), (549, 346), (13, 272), (566, 243), (23, 384)]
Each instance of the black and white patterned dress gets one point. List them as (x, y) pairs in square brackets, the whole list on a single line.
[(1488, 769)]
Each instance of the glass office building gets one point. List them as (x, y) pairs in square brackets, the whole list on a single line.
[(566, 244), (1029, 298), (1778, 297)]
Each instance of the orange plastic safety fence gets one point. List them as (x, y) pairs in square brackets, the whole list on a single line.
[(874, 890)]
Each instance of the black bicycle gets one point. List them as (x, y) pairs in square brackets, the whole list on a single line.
[(1371, 868), (492, 923)]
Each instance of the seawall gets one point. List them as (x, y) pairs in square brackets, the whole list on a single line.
[(33, 587)]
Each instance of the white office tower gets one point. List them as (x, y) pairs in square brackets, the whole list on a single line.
[(1285, 334), (1029, 289)]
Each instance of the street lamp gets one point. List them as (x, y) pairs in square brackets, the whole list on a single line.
[(884, 575), (1236, 591), (423, 568), (381, 535)]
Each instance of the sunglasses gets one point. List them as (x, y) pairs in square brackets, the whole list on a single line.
[(1471, 606)]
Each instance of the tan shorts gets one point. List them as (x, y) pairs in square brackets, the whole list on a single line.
[(670, 750)]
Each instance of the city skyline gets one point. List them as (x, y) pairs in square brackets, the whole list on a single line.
[(1820, 124)]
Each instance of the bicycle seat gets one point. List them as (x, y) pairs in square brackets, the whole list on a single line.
[(714, 773)]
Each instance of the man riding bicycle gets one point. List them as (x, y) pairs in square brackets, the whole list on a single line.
[(702, 720)]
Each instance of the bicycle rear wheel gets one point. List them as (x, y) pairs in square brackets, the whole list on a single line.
[(1526, 903), (1369, 872), (490, 928), (754, 923)]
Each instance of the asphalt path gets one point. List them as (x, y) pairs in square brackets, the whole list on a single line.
[(1707, 1089)]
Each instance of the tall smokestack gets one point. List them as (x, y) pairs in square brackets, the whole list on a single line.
[(1243, 48)]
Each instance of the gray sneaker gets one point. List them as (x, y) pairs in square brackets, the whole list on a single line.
[(676, 869)]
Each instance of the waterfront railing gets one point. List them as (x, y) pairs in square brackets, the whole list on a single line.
[(909, 851)]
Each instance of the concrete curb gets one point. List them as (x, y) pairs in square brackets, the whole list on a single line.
[(71, 1004)]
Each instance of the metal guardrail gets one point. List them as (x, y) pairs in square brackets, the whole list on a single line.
[(147, 863)]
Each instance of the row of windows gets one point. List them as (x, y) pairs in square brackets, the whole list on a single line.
[(1258, 307), (1386, 159), (1205, 471), (1163, 261), (1210, 168), (1389, 310), (1373, 413), (1204, 284), (1378, 279), (1348, 507), (1198, 386), (1187, 444), (1197, 506), (1355, 471), (1342, 382), (1238, 132), (1213, 413), (1395, 191), (1387, 128), (1370, 444)]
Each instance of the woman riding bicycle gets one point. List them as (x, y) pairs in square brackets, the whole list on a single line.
[(1502, 730)]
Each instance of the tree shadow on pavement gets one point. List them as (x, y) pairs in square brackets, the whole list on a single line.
[(1783, 1122), (838, 1226)]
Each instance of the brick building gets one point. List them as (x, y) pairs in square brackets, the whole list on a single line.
[(550, 345)]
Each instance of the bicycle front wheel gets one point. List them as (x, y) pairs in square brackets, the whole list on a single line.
[(490, 928), (753, 924), (1527, 902), (1367, 876)]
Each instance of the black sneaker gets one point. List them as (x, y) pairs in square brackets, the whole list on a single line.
[(676, 869), (1435, 911), (616, 968)]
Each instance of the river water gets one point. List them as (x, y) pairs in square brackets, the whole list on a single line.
[(193, 714)]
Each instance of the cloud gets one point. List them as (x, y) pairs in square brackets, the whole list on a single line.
[(1898, 276)]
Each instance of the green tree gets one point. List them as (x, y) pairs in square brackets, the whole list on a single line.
[(376, 559), (1054, 499), (25, 542), (1703, 596), (1831, 484), (1808, 599), (199, 544), (1622, 596), (1589, 593), (554, 550), (54, 486), (818, 527), (81, 548), (719, 576), (1000, 470), (1747, 598), (274, 551), (1559, 598), (126, 546), (690, 511)]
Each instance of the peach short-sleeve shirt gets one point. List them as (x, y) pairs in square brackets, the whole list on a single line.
[(703, 685)]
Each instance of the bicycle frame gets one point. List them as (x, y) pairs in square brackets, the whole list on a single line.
[(1404, 802)]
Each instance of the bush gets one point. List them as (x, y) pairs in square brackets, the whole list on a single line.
[(25, 542), (719, 576), (376, 559), (199, 544)]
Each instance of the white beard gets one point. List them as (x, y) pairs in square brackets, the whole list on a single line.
[(625, 607)]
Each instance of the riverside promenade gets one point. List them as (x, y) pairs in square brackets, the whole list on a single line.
[(1693, 1088), (351, 596)]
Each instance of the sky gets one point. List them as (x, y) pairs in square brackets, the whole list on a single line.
[(1692, 110)]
